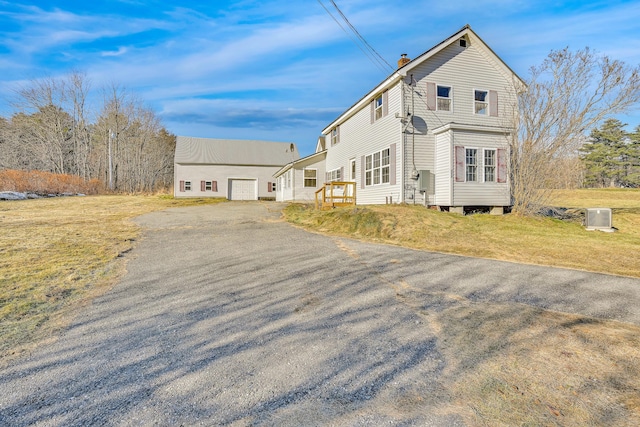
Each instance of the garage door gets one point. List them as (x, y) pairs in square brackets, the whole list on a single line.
[(243, 189)]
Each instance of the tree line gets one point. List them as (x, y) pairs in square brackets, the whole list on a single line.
[(54, 128)]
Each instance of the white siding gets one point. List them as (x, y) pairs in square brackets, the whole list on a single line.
[(221, 174), (359, 137), (479, 193), (464, 70), (444, 170)]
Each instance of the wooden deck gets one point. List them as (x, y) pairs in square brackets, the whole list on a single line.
[(336, 193)]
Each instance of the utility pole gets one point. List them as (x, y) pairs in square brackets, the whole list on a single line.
[(110, 160)]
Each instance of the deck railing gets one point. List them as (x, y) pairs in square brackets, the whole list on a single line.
[(336, 193)]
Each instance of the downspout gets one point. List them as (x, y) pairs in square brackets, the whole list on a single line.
[(403, 175)]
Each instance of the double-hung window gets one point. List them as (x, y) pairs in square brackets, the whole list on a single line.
[(489, 165), (377, 107), (377, 168), (310, 178), (335, 136), (444, 98), (481, 102), (334, 175), (187, 186), (471, 164)]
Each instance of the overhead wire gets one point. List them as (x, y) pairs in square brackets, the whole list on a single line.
[(357, 33), (363, 45)]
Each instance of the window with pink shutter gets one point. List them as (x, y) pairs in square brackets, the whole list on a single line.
[(502, 165), (460, 161)]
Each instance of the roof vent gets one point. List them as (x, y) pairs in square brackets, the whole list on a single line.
[(463, 42), (403, 60)]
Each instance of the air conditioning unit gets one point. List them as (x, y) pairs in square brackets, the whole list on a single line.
[(424, 180), (598, 219)]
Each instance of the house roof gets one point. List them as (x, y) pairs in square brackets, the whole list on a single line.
[(234, 152), (308, 159), (403, 71)]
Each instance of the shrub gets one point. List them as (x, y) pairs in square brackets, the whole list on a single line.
[(40, 182)]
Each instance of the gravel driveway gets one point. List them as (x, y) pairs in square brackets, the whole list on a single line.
[(230, 316)]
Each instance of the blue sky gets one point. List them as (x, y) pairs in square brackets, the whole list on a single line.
[(279, 70)]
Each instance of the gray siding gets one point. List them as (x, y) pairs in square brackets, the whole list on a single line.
[(297, 191), (222, 174), (479, 193), (463, 70), (444, 170), (359, 137)]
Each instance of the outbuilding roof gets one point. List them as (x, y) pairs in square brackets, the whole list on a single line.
[(192, 150)]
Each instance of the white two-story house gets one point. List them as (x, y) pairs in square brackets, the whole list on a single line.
[(435, 132)]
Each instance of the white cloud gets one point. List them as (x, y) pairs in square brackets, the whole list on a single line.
[(121, 51)]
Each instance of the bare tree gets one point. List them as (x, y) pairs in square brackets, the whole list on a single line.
[(126, 146), (136, 151), (569, 93)]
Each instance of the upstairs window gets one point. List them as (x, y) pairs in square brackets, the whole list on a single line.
[(310, 178), (481, 102), (335, 135), (377, 107), (444, 98)]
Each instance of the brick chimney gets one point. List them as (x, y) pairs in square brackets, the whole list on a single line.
[(403, 60)]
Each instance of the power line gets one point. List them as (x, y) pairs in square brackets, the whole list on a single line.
[(360, 36), (368, 50)]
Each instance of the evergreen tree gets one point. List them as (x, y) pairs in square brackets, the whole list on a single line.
[(611, 156)]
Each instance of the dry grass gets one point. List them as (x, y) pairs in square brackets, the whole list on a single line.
[(534, 240), (518, 365), (58, 253), (511, 364)]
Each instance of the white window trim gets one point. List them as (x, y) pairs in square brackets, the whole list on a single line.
[(378, 110), (304, 178), (473, 94), (380, 168), (495, 165), (450, 98), (187, 185), (334, 175), (477, 165), (334, 136), (352, 169)]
